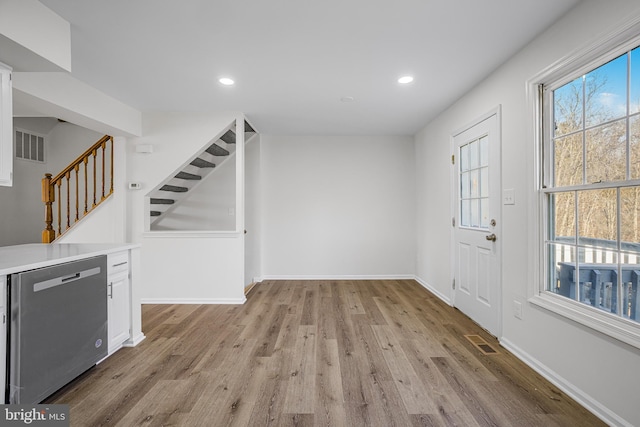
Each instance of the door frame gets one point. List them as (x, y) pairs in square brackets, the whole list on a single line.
[(497, 111)]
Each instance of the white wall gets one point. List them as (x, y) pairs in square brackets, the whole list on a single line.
[(181, 266), (338, 206), (21, 205), (603, 373), (253, 212)]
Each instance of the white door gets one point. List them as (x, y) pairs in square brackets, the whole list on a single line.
[(477, 240)]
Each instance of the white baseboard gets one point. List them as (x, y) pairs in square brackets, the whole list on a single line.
[(193, 301), (591, 404), (434, 291), (132, 342), (341, 277)]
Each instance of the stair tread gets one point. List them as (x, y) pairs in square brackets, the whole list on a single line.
[(229, 137), (247, 127), (201, 163), (155, 213), (187, 175), (159, 201), (216, 150), (174, 188)]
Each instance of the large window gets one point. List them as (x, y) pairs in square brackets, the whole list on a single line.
[(591, 187)]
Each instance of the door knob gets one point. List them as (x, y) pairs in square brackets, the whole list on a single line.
[(492, 237)]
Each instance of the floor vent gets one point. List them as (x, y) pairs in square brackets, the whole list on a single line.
[(481, 344)]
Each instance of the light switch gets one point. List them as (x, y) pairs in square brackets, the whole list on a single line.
[(508, 196)]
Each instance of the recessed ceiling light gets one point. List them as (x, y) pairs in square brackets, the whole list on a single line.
[(405, 79), (347, 99), (226, 81)]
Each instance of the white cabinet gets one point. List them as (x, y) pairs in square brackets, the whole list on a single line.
[(118, 299), (6, 127)]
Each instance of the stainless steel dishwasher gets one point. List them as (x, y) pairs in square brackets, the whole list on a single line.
[(57, 327)]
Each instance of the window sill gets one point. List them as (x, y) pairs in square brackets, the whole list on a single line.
[(616, 327)]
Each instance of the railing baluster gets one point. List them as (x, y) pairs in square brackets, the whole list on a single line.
[(77, 169), (59, 209), (104, 145), (94, 154), (86, 185), (68, 176)]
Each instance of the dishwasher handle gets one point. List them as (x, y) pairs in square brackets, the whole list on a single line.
[(51, 283)]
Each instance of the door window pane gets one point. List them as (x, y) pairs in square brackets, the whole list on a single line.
[(484, 151), (464, 158), (465, 185), (474, 155), (465, 213)]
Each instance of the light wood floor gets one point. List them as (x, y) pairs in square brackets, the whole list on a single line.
[(347, 353)]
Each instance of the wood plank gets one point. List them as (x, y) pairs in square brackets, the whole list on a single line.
[(331, 353)]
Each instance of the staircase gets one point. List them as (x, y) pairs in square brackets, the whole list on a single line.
[(168, 195)]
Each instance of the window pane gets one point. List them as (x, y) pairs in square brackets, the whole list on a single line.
[(606, 92), (630, 266), (598, 273), (475, 184), (562, 264), (567, 107), (465, 185), (634, 146), (484, 182), (607, 152), (474, 155), (475, 212), (484, 151), (484, 213), (465, 213), (563, 227), (464, 158), (634, 90), (630, 217), (568, 160), (597, 218)]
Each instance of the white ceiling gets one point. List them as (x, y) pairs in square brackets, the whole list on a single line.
[(293, 60)]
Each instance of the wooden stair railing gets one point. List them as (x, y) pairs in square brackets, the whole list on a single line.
[(69, 188)]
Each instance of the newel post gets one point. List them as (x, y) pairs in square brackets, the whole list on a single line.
[(48, 197)]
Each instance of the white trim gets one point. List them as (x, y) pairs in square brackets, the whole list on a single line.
[(340, 277), (191, 234), (606, 46), (584, 399), (239, 301), (434, 291), (609, 324), (132, 342)]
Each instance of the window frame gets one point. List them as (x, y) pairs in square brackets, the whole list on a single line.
[(539, 89)]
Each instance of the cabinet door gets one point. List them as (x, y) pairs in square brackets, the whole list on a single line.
[(6, 127), (118, 309)]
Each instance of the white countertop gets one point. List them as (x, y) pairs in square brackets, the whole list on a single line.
[(18, 258)]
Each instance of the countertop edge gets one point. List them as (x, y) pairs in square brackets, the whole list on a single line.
[(37, 255)]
